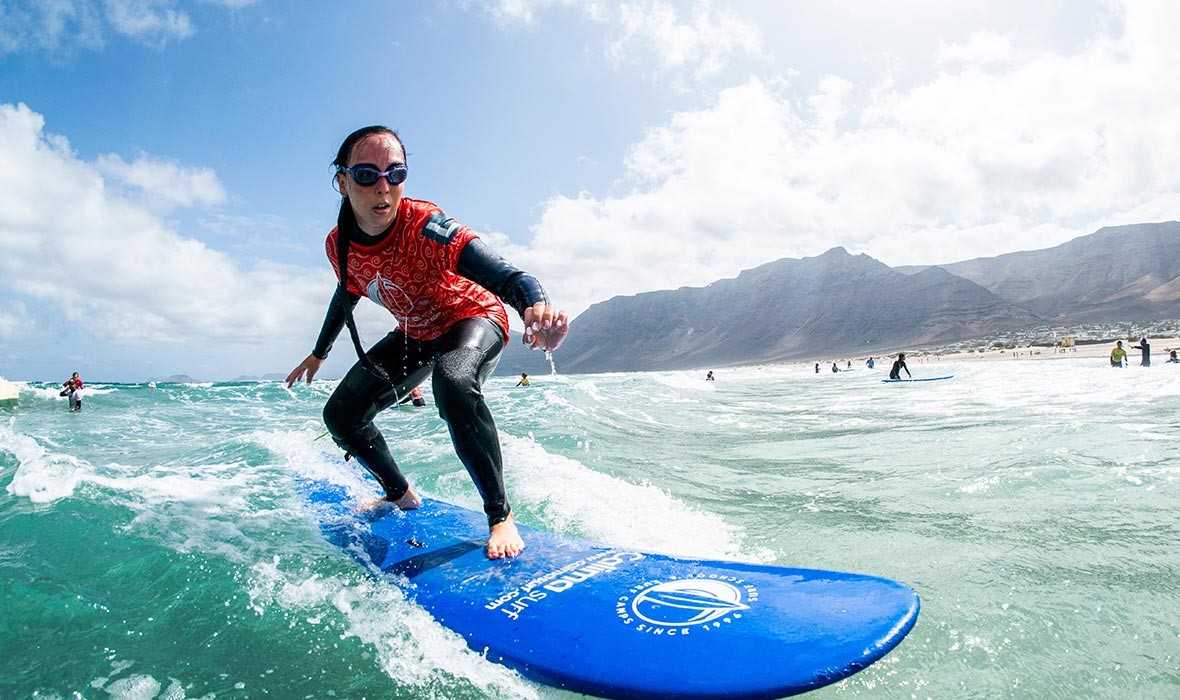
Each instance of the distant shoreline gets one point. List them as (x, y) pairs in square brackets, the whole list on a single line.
[(1159, 353)]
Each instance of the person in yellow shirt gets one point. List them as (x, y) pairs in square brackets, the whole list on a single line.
[(1118, 356), (524, 379)]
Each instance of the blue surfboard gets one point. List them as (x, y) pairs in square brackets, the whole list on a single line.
[(923, 379), (619, 623)]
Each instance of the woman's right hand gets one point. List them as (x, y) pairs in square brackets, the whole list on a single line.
[(310, 365)]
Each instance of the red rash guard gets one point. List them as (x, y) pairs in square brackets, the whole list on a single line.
[(413, 272)]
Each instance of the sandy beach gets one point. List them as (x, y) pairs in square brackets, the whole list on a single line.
[(1160, 348)]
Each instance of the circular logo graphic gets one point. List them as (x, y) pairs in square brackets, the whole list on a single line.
[(687, 602), (385, 292)]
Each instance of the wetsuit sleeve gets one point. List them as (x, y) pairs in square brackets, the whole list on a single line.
[(480, 264), (333, 321)]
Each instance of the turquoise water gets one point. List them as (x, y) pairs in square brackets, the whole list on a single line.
[(153, 546)]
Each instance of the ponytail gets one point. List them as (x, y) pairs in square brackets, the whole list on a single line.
[(345, 222), (345, 225)]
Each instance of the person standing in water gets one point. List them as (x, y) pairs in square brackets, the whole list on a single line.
[(709, 377), (870, 363), (524, 380), (1143, 347), (898, 366), (1118, 356), (444, 286), (72, 388)]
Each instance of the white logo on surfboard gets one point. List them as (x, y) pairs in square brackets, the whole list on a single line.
[(676, 607)]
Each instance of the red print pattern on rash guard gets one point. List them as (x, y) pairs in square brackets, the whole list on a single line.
[(414, 273)]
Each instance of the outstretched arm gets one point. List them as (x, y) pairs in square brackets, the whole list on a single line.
[(545, 326), (333, 323), (310, 365)]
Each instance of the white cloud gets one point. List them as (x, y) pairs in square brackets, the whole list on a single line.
[(163, 185), (150, 20), (702, 44), (983, 48), (15, 321), (50, 26), (57, 28), (113, 266), (698, 42), (991, 154)]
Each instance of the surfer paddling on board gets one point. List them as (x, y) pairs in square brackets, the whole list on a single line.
[(444, 285), (898, 366)]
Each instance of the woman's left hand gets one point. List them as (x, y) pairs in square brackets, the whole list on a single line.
[(544, 327)]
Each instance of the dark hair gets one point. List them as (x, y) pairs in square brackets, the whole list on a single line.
[(345, 223), (356, 137)]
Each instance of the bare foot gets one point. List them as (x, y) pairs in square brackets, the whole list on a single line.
[(504, 540), (408, 501)]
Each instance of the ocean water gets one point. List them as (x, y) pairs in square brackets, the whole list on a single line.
[(154, 546)]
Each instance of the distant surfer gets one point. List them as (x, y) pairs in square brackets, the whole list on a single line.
[(1172, 357), (835, 368), (524, 380), (709, 377), (870, 363), (898, 366), (1145, 349), (1118, 356), (416, 398), (444, 285), (850, 364), (817, 368)]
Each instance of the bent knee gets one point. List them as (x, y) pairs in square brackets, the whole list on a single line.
[(341, 417), (456, 382)]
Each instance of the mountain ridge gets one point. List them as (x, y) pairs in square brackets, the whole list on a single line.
[(837, 304)]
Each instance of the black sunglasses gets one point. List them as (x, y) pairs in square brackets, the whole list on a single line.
[(366, 175)]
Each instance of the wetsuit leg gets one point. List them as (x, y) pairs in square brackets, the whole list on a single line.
[(361, 395), (467, 354)]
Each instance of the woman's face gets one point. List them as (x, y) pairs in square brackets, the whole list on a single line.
[(375, 206)]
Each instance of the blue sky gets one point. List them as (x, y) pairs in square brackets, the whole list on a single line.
[(165, 164)]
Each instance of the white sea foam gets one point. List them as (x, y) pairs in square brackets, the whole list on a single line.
[(42, 392), (607, 509), (694, 381), (410, 647), (43, 476), (137, 687)]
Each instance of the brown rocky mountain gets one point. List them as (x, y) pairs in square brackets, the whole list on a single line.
[(838, 304), (1118, 273), (831, 304)]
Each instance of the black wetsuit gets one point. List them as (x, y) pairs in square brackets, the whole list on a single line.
[(1145, 348), (458, 361), (898, 366)]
